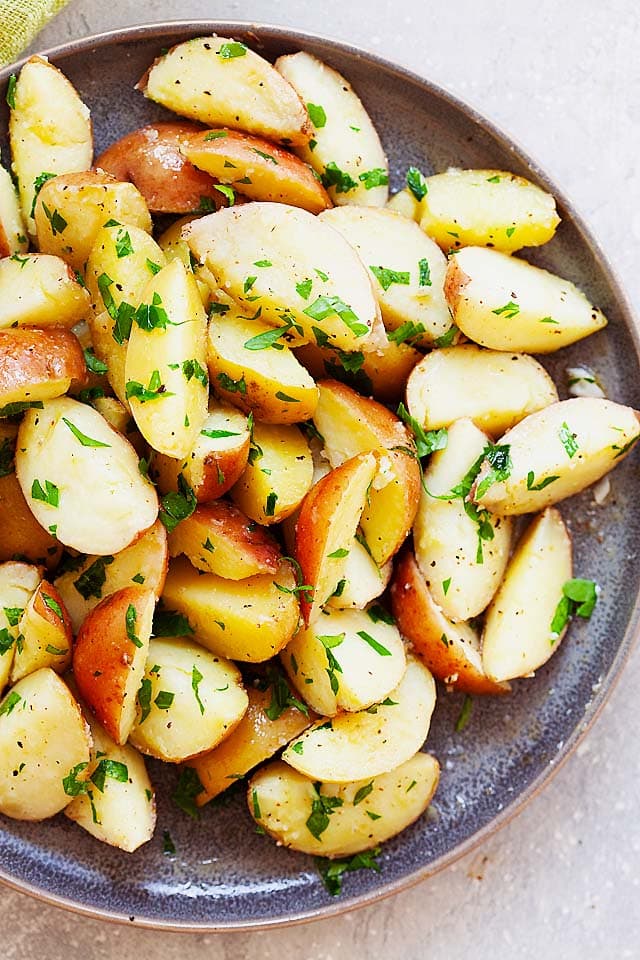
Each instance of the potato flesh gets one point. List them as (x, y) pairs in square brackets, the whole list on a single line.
[(504, 303), (494, 389), (197, 80), (576, 441), (489, 208), (38, 364), (13, 233), (104, 502), (347, 138), (18, 582), (284, 799), (364, 579), (46, 636), (40, 291), (388, 241), (297, 245), (362, 745), (208, 701), (517, 635), (43, 738)]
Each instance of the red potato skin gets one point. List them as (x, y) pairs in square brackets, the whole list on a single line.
[(454, 283), (47, 589), (229, 523), (29, 356), (20, 533)]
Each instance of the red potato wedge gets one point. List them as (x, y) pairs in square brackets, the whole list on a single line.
[(110, 656), (219, 538), (39, 290), (13, 232), (256, 168), (45, 628), (20, 533), (18, 582), (152, 159), (450, 650), (326, 526), (39, 364)]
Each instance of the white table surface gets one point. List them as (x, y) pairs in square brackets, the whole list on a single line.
[(563, 879)]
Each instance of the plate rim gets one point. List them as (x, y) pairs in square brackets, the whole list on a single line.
[(149, 30)]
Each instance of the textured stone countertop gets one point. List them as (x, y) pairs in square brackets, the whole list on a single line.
[(563, 879)]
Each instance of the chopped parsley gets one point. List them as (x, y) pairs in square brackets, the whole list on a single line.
[(196, 679), (578, 597), (424, 273), (406, 332), (169, 623), (49, 494), (232, 386), (177, 505), (11, 91), (131, 618), (123, 244), (229, 51), (321, 809), (378, 614), (333, 176), (84, 440), (386, 276), (186, 791), (331, 871), (508, 311), (374, 644), (262, 341), (465, 714), (92, 580), (57, 222), (568, 440), (281, 697), (215, 135), (531, 485), (109, 768), (227, 192), (53, 604), (155, 390), (362, 793), (92, 362), (417, 183), (499, 459), (272, 499), (317, 115), (38, 184), (324, 307), (447, 338), (6, 457), (192, 369), (378, 177), (304, 288), (427, 441), (71, 785)]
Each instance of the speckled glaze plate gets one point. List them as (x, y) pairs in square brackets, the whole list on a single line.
[(223, 875)]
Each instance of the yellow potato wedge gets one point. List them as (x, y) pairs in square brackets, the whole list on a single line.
[(406, 204), (556, 453), (20, 533), (38, 290), (315, 287), (45, 634), (175, 247), (44, 747), (345, 149), (249, 620), (13, 232), (363, 579), (492, 388), (281, 800), (487, 208), (18, 582), (116, 414), (504, 303), (221, 82), (39, 364), (518, 634)]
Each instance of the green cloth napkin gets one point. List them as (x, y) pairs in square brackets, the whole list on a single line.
[(20, 21)]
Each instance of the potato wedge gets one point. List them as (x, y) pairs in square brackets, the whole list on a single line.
[(166, 364), (40, 291), (249, 620), (407, 270), (364, 580), (406, 204), (215, 462), (20, 533), (352, 424), (366, 744), (49, 130), (18, 582), (110, 655), (218, 538), (175, 247), (278, 475), (221, 82), (557, 452), (38, 364), (45, 634), (117, 415), (518, 634), (256, 168), (450, 650), (44, 747), (13, 232), (315, 287), (346, 660), (91, 579), (326, 527), (504, 303), (188, 701), (118, 806), (151, 158), (345, 149), (492, 388), (461, 558), (80, 478), (487, 208), (282, 802), (256, 738), (71, 209)]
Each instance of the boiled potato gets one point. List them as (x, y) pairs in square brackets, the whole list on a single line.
[(364, 580), (310, 282), (519, 635), (49, 130), (13, 233), (406, 204), (166, 364), (462, 557), (38, 290), (91, 579), (188, 701), (507, 304), (71, 209), (80, 478), (407, 270), (556, 453), (450, 650), (44, 747), (247, 371), (278, 474), (18, 582), (175, 247), (45, 634), (110, 654), (257, 737), (222, 82), (218, 538), (345, 149), (282, 801), (116, 414), (346, 660), (20, 533), (38, 364), (487, 208), (492, 388), (249, 620), (215, 462)]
